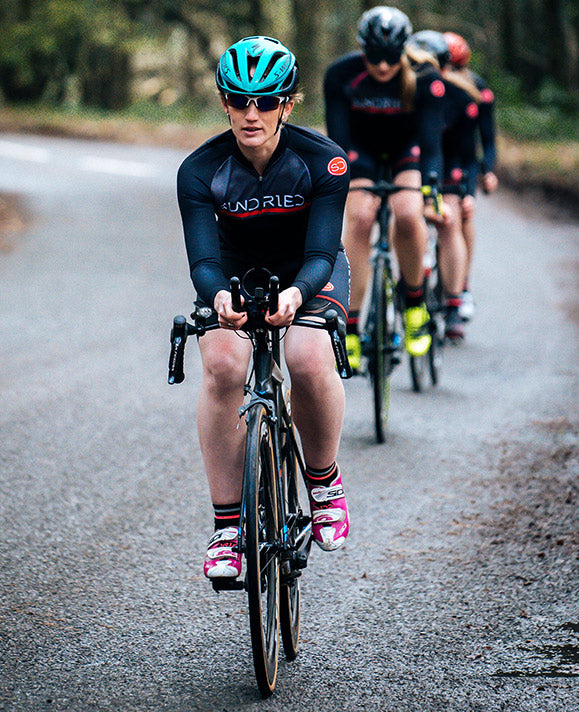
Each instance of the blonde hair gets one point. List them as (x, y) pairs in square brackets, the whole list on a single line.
[(411, 58), (464, 82), (414, 57)]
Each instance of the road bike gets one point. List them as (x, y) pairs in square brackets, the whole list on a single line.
[(382, 323), (431, 361), (275, 530)]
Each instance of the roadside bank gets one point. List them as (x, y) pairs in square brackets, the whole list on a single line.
[(537, 170)]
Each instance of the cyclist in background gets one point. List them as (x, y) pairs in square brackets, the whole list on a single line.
[(270, 195), (380, 110), (461, 101), (459, 58)]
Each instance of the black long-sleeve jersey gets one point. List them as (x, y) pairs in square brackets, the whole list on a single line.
[(288, 220), (461, 114), (362, 113), (486, 124)]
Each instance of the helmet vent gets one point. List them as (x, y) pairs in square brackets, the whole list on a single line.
[(235, 62), (272, 62)]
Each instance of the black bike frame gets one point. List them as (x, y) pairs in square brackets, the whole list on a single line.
[(268, 393)]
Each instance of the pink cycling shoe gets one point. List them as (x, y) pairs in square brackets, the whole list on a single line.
[(330, 520), (221, 561)]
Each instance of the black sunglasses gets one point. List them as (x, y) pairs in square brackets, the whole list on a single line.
[(263, 103), (376, 56)]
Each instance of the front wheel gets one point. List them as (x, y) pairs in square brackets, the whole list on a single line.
[(262, 548), (380, 336), (290, 586)]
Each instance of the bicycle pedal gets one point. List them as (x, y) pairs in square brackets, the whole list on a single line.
[(290, 577), (300, 559), (227, 584)]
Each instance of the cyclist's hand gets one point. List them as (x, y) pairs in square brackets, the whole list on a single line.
[(490, 182), (227, 318), (433, 216), (290, 300)]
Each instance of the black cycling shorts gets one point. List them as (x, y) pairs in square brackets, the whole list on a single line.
[(334, 295), (364, 164)]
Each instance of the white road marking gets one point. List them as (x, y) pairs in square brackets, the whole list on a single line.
[(22, 152), (98, 164), (117, 167)]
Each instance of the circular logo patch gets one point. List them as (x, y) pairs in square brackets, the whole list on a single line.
[(415, 151), (472, 110), (487, 96), (456, 175), (437, 88), (328, 288), (337, 166)]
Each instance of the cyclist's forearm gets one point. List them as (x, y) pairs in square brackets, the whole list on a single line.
[(313, 276), (208, 279)]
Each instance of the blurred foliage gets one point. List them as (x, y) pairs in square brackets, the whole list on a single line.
[(157, 57)]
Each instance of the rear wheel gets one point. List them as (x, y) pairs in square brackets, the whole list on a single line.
[(262, 550)]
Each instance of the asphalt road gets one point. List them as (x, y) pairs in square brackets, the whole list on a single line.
[(459, 586)]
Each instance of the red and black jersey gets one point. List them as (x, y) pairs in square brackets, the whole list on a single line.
[(288, 220), (461, 115), (486, 124), (364, 114)]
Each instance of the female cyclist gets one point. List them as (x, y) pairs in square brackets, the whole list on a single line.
[(382, 112), (461, 99), (459, 59), (270, 195)]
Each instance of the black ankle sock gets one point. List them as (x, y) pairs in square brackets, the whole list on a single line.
[(352, 322), (413, 296), (226, 515), (323, 477)]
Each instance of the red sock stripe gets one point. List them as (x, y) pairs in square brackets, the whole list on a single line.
[(453, 302), (414, 292)]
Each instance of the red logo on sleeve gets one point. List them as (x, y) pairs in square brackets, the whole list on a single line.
[(487, 96), (472, 110), (437, 88), (337, 166)]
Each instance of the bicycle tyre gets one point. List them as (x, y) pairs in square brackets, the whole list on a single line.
[(418, 368), (434, 302), (381, 329), (290, 606), (262, 557)]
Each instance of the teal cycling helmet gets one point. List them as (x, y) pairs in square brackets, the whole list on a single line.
[(275, 70)]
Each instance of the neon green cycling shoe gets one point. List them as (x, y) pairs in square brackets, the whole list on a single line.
[(354, 350), (417, 338)]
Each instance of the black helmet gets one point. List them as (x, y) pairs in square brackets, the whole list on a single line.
[(382, 32), (432, 42)]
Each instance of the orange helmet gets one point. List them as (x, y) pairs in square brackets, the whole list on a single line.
[(459, 49)]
